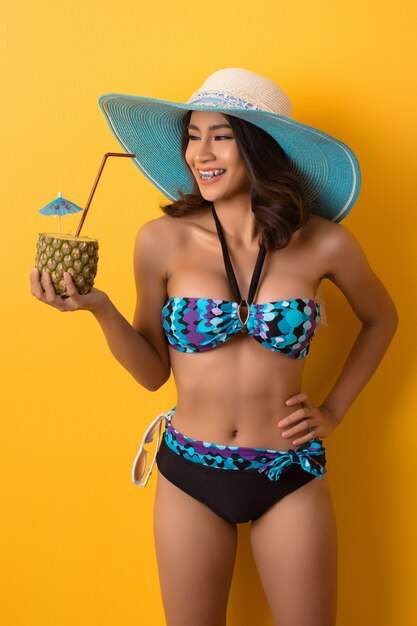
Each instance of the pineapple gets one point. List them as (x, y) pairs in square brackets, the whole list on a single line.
[(58, 253)]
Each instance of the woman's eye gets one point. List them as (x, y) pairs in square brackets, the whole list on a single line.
[(194, 137)]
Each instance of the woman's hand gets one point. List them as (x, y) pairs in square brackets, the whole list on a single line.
[(319, 419), (93, 301)]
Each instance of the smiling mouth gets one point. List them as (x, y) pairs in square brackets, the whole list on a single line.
[(208, 175)]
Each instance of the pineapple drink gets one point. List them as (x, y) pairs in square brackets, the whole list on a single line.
[(58, 253), (76, 255)]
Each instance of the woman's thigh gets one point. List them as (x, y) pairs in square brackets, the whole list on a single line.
[(295, 548), (196, 552)]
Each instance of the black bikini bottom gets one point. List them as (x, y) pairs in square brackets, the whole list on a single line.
[(237, 496)]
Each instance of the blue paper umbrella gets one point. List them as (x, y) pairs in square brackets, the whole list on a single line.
[(59, 207)]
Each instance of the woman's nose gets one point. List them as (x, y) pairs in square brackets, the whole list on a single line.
[(202, 157), (204, 152)]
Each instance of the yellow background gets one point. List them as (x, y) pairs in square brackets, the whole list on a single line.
[(76, 537)]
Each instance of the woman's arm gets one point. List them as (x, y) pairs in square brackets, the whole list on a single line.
[(349, 270), (347, 267), (131, 349), (140, 348)]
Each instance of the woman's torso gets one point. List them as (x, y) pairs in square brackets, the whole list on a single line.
[(235, 394)]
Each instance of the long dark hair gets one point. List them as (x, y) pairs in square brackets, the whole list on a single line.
[(277, 195)]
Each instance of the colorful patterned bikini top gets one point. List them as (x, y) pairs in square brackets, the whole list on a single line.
[(201, 324)]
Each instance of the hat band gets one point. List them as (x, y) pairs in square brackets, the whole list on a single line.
[(222, 99)]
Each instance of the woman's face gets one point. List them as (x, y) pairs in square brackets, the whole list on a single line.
[(213, 157)]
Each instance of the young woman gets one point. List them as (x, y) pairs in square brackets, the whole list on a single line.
[(227, 286)]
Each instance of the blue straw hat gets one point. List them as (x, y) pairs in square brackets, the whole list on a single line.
[(151, 129)]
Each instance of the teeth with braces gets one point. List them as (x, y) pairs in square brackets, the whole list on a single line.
[(211, 174)]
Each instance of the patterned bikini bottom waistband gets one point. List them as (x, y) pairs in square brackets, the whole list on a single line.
[(273, 463)]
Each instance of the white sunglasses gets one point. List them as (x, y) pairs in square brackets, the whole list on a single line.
[(140, 471)]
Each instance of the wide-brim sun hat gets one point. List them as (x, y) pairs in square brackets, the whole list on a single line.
[(151, 129)]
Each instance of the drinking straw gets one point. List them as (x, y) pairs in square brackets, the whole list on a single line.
[(103, 163)]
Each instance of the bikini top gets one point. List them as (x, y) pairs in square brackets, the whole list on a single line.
[(201, 324)]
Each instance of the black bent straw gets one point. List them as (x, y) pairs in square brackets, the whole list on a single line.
[(103, 163)]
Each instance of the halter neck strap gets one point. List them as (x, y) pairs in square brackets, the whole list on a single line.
[(229, 268)]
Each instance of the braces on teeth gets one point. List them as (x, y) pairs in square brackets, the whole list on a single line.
[(212, 174)]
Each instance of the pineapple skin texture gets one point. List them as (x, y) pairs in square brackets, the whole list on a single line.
[(58, 254)]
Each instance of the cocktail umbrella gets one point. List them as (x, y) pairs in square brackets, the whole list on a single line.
[(58, 207)]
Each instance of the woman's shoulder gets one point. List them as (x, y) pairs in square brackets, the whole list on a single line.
[(333, 244), (327, 235), (159, 225), (164, 237), (166, 230)]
